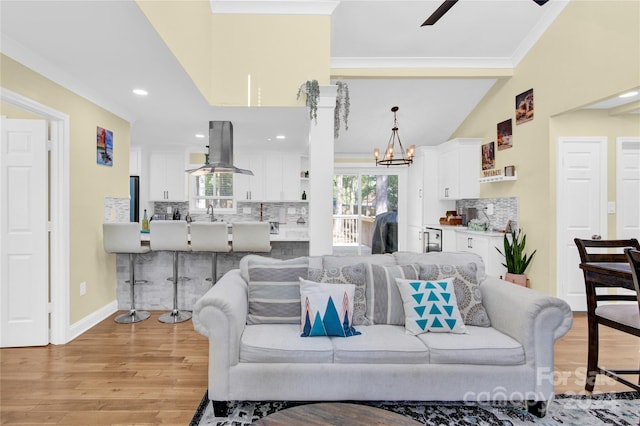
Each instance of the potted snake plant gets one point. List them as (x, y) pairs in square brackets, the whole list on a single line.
[(516, 260)]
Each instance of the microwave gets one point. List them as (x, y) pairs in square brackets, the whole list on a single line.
[(432, 240)]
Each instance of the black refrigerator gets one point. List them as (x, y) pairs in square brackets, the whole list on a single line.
[(134, 198)]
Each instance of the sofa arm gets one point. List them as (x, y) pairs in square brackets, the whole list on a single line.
[(533, 318), (221, 314)]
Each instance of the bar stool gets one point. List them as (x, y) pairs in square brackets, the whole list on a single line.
[(251, 237), (124, 238), (210, 237), (171, 235)]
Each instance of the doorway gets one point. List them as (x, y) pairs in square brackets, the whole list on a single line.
[(58, 211), (358, 199), (581, 208)]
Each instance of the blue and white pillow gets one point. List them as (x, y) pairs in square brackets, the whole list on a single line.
[(430, 306), (327, 309)]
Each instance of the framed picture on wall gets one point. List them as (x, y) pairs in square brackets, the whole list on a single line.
[(505, 135), (488, 156), (524, 107), (104, 146)]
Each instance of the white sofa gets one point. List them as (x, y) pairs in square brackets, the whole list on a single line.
[(510, 360)]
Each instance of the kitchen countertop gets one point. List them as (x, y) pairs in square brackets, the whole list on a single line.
[(464, 229), (287, 232)]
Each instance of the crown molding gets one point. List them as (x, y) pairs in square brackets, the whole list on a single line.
[(42, 66), (424, 62), (274, 7), (552, 11)]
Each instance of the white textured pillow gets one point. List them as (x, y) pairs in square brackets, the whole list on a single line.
[(327, 309), (430, 306)]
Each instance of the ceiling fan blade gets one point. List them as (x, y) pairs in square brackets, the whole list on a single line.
[(540, 2), (440, 11)]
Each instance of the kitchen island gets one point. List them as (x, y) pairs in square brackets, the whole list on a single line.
[(156, 266)]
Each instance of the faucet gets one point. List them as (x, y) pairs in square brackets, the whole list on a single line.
[(210, 206)]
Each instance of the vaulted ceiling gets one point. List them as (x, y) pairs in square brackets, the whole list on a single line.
[(104, 49)]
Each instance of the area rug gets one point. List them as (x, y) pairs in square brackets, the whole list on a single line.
[(617, 409)]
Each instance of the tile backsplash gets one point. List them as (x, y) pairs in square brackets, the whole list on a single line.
[(504, 210), (271, 211)]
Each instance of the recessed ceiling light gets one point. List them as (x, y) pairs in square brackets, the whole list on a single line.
[(140, 92), (628, 94), (281, 137), (199, 136)]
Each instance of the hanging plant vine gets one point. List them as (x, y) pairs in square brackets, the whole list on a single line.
[(311, 89)]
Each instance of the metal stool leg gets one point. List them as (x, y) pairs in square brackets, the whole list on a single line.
[(214, 268), (132, 316), (175, 315)]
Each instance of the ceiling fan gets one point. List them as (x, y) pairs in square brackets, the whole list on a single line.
[(448, 4)]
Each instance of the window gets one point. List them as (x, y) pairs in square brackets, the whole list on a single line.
[(212, 189)]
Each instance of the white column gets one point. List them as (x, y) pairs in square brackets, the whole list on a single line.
[(321, 174)]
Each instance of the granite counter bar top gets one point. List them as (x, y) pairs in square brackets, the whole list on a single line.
[(293, 232)]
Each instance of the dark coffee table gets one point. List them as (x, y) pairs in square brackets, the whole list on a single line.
[(337, 414)]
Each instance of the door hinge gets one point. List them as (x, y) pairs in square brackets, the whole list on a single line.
[(49, 226), (49, 145), (49, 307)]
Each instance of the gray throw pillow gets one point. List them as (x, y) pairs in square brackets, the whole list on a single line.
[(350, 274), (274, 291), (467, 288), (384, 302)]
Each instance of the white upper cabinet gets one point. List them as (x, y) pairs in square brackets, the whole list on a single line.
[(276, 176), (135, 162), (167, 177), (459, 169), (247, 187)]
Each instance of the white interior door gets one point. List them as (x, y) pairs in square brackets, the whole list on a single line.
[(628, 188), (581, 208), (24, 265)]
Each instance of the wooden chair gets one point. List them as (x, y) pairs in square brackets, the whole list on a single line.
[(624, 317)]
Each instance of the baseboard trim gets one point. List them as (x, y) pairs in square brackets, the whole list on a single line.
[(91, 320)]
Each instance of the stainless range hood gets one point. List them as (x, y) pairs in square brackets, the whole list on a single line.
[(220, 158)]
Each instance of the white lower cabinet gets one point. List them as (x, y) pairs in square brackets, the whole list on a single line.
[(485, 247)]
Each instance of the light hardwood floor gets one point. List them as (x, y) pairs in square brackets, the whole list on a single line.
[(154, 373)]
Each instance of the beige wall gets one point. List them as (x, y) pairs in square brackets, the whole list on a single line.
[(185, 26), (219, 52), (588, 54), (89, 182)]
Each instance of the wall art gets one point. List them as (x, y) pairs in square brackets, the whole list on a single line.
[(104, 146), (488, 156), (524, 107), (505, 135)]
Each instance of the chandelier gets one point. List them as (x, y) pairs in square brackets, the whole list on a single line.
[(390, 159)]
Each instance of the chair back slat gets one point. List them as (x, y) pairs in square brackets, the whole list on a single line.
[(587, 256)]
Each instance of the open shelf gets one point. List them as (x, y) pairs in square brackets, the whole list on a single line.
[(500, 178)]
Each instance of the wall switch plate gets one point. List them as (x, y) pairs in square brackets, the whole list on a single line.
[(83, 288), (246, 210), (291, 210), (490, 209), (611, 207)]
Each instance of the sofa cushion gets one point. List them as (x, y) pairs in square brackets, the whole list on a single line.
[(480, 346), (430, 306), (274, 291), (380, 344), (281, 343), (443, 258), (330, 262), (384, 304), (468, 294), (350, 274), (327, 309)]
